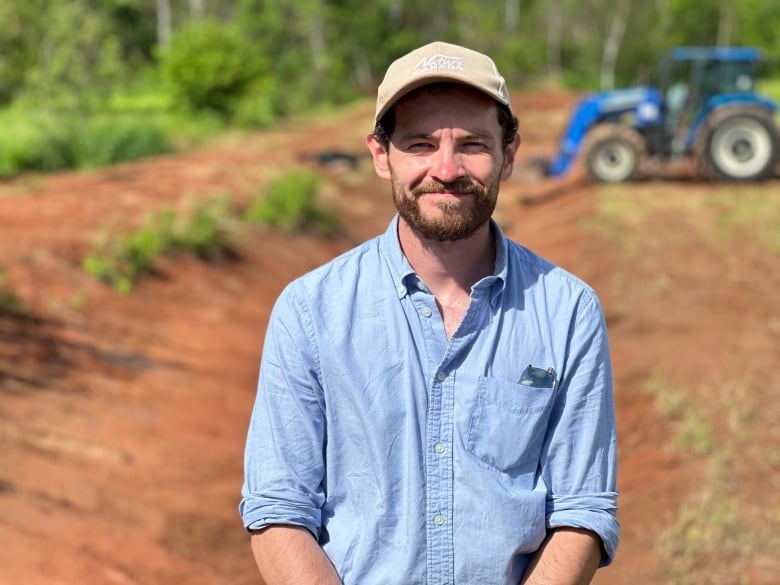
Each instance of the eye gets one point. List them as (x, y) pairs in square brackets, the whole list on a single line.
[(475, 146), (419, 146)]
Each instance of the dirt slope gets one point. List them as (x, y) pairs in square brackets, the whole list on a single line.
[(122, 419)]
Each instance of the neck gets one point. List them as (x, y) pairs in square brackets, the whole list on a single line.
[(449, 268)]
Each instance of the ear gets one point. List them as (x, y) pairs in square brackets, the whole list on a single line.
[(379, 156), (509, 158)]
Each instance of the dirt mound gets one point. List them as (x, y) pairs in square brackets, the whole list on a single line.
[(123, 418)]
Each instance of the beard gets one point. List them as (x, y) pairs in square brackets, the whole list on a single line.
[(457, 220)]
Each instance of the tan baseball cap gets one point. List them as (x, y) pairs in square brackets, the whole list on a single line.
[(436, 62)]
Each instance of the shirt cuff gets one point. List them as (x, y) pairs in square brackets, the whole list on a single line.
[(594, 512), (258, 514)]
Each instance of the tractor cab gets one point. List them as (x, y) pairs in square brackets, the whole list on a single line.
[(690, 77)]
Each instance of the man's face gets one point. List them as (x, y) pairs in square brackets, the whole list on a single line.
[(445, 161)]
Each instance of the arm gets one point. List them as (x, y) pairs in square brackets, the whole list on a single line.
[(569, 556), (579, 460), (289, 555)]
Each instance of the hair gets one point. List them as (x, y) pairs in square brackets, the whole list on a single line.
[(384, 127)]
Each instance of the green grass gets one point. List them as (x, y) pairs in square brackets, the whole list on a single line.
[(747, 211), (692, 430), (728, 528)]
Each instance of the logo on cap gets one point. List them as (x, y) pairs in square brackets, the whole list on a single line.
[(438, 63)]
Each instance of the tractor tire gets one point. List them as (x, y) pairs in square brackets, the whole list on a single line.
[(738, 144), (614, 153)]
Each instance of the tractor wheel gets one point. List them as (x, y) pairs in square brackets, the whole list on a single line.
[(614, 152), (738, 144)]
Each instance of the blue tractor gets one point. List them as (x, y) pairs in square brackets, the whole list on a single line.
[(706, 108)]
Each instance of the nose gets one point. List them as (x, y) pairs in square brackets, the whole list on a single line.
[(447, 163)]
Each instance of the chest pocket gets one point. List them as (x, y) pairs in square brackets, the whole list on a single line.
[(508, 424)]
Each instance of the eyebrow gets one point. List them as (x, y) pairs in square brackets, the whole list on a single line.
[(479, 134)]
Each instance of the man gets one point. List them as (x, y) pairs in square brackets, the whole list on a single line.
[(435, 406)]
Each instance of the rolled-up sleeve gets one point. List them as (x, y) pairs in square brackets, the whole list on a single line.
[(283, 462), (579, 459)]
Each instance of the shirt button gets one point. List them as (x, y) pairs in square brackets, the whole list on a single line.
[(426, 312), (401, 290), (442, 376), (420, 285), (439, 447), (438, 519)]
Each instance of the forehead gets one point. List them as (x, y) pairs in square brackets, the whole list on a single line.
[(447, 105)]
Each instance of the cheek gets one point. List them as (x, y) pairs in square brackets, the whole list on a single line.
[(408, 168)]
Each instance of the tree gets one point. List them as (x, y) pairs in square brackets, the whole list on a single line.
[(612, 43), (77, 58), (164, 24)]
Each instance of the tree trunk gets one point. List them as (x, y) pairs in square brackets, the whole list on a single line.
[(617, 29), (511, 16), (197, 9), (554, 38), (318, 48), (395, 11), (163, 22), (725, 22)]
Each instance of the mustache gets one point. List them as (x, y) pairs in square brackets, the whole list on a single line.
[(460, 187)]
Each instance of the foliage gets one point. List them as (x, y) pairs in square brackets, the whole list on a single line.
[(74, 70), (290, 203), (207, 230), (121, 261), (210, 65), (106, 141), (41, 141), (34, 143), (250, 62)]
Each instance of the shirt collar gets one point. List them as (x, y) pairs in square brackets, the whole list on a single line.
[(405, 277)]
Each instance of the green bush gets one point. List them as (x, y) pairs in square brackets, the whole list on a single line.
[(120, 262), (107, 141), (43, 141), (210, 65), (34, 142), (208, 230), (290, 203), (259, 107)]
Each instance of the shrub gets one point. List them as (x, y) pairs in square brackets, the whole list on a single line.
[(290, 203), (207, 230), (210, 65), (108, 141), (120, 262), (41, 141), (34, 142)]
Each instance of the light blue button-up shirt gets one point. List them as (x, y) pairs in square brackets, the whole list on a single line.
[(417, 460)]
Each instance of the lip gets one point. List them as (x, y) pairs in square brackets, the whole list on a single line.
[(446, 194)]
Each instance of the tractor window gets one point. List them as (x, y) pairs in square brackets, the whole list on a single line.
[(677, 91), (727, 77), (738, 77)]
